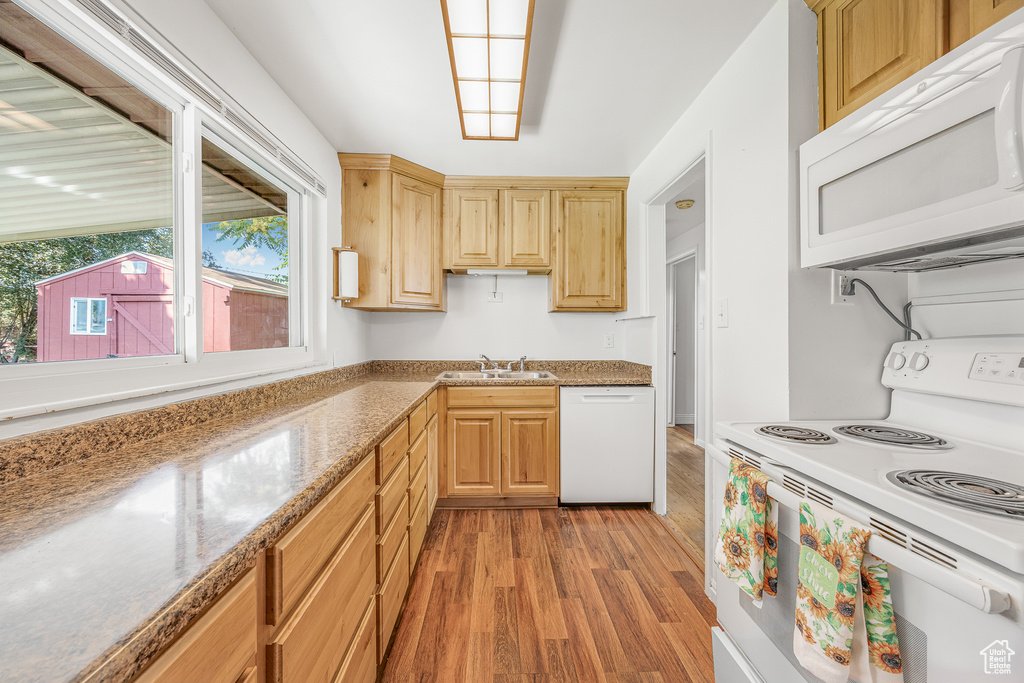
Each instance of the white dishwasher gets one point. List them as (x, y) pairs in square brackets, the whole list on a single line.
[(606, 444)]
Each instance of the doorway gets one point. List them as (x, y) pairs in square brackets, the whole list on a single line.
[(685, 460)]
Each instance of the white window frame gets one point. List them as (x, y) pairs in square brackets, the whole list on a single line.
[(76, 302), (34, 389)]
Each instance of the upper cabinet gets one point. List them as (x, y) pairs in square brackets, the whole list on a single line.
[(409, 225), (391, 216), (589, 271), (866, 47)]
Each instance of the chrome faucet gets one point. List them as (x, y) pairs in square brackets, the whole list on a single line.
[(522, 364), (483, 368)]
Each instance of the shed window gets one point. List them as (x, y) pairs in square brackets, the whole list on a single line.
[(88, 316)]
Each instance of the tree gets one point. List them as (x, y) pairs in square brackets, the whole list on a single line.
[(209, 260), (269, 232), (22, 264)]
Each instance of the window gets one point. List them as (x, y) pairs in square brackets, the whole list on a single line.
[(247, 246), (87, 193), (88, 316)]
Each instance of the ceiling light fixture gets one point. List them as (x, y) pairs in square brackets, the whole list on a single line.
[(488, 45), (684, 204)]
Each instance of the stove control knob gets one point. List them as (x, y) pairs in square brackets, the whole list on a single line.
[(919, 361), (895, 361)]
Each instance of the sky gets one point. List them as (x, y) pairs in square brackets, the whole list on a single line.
[(248, 261)]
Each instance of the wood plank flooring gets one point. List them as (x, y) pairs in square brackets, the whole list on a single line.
[(565, 594), (685, 471)]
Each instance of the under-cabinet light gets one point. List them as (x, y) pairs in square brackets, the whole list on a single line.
[(495, 271), (488, 45)]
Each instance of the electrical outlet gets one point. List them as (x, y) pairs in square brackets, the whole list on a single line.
[(609, 341), (494, 298), (839, 283)]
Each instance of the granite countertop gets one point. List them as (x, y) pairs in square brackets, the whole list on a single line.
[(107, 554)]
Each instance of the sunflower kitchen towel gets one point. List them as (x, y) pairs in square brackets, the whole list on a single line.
[(882, 663), (747, 548), (831, 547)]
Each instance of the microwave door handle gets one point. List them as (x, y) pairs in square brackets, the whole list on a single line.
[(1009, 118)]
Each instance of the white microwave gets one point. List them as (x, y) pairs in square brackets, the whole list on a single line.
[(929, 175)]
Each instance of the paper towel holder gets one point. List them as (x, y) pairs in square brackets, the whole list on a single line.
[(346, 274)]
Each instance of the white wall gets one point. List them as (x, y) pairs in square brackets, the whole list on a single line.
[(520, 325), (339, 336), (1006, 317)]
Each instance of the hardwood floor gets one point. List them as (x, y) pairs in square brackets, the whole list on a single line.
[(565, 594), (685, 470)]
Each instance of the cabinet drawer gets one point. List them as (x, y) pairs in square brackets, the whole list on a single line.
[(432, 404), (418, 420), (417, 532), (390, 597), (390, 495), (250, 675), (360, 665), (418, 453), (218, 647), (312, 642), (417, 486), (391, 539), (513, 397), (391, 450), (295, 561)]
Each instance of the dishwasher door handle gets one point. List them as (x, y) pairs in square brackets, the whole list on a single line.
[(602, 398)]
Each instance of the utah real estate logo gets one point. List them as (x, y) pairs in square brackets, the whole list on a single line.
[(997, 657)]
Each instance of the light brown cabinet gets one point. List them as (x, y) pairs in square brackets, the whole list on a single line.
[(866, 47), (589, 270), (495, 227), (391, 217), (502, 442)]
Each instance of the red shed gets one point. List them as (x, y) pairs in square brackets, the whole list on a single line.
[(123, 307)]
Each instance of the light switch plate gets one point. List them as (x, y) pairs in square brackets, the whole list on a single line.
[(722, 313)]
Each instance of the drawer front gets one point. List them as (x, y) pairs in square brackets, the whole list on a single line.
[(500, 397), (391, 450), (312, 643), (418, 452), (390, 495), (360, 665), (417, 532), (418, 486), (296, 560), (391, 540), (250, 675), (432, 404), (218, 647), (390, 597), (418, 419)]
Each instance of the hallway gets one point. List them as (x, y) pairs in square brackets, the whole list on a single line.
[(685, 476)]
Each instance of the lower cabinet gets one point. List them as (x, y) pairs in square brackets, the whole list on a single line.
[(502, 441), (323, 602)]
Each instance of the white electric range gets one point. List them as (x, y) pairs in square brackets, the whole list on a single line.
[(941, 484)]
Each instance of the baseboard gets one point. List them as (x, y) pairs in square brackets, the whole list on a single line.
[(683, 419)]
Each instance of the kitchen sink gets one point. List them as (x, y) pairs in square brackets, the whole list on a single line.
[(496, 375)]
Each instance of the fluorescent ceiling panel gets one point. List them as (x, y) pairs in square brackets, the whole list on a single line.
[(489, 46)]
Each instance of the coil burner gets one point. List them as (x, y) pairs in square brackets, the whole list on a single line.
[(968, 491), (797, 434), (893, 436)]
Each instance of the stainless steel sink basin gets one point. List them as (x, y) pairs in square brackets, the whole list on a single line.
[(496, 375)]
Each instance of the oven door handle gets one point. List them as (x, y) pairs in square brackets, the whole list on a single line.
[(966, 589)]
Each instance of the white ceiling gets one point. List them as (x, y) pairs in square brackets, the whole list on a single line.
[(680, 221), (374, 77)]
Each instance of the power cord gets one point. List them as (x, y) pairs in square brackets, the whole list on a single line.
[(908, 330)]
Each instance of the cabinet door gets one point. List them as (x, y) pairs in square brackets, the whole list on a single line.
[(872, 45), (526, 222), (529, 452), (473, 228), (432, 446), (967, 20), (589, 271), (416, 277), (473, 453)]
